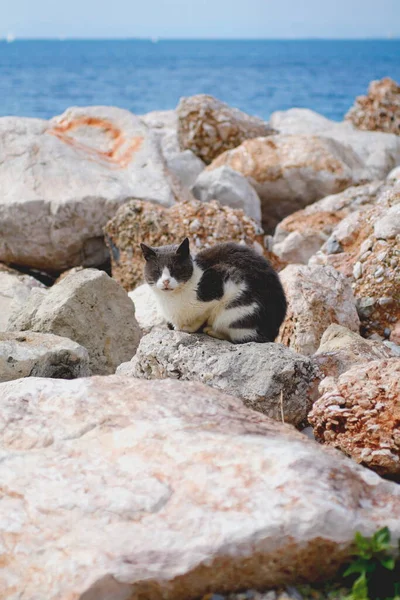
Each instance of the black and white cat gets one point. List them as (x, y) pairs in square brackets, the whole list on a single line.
[(228, 291)]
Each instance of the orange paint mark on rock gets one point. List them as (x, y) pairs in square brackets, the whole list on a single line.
[(120, 151)]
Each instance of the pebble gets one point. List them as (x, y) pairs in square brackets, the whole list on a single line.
[(385, 300), (332, 246), (380, 271), (357, 270), (366, 245)]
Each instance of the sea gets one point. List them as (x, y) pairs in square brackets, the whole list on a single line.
[(42, 78)]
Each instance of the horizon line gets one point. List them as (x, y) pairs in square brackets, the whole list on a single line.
[(155, 38)]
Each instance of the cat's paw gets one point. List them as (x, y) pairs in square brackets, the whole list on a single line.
[(215, 334)]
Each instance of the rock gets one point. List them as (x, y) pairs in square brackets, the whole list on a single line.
[(376, 278), (359, 414), (185, 165), (317, 297), (14, 291), (230, 188), (53, 211), (205, 224), (27, 354), (267, 377), (208, 126), (89, 308), (388, 226), (380, 109), (168, 490), (378, 152), (340, 349), (291, 171), (146, 311), (394, 175), (300, 235)]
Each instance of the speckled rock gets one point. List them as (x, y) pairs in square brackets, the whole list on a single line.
[(63, 179), (317, 297), (340, 349), (300, 235), (28, 354), (291, 171), (89, 308), (168, 490), (267, 377), (229, 188), (208, 126), (359, 414), (204, 223), (15, 289), (370, 262), (380, 109)]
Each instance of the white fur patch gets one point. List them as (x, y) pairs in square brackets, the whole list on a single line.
[(166, 281)]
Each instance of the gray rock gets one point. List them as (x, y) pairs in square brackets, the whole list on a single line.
[(15, 289), (228, 187), (90, 308), (146, 310), (185, 165), (267, 377), (27, 354), (62, 180)]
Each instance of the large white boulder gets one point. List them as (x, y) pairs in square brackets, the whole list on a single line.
[(15, 289), (61, 180), (117, 489)]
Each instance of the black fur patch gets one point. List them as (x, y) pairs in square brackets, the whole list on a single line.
[(242, 264), (211, 286)]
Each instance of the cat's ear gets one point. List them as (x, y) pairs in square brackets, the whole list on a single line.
[(183, 250), (148, 252)]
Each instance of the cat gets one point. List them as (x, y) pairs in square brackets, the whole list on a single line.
[(228, 291)]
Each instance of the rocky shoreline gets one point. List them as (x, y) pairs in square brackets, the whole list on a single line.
[(138, 462)]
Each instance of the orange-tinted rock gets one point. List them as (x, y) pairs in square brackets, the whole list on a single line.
[(380, 109), (360, 415), (291, 171), (205, 224)]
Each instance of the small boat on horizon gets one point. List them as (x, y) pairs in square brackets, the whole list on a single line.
[(10, 37)]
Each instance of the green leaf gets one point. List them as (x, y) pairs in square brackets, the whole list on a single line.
[(381, 538), (388, 562)]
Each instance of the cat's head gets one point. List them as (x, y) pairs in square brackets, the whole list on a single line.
[(168, 268)]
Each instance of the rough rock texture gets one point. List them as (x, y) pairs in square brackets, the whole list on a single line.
[(340, 349), (369, 242), (168, 490), (317, 297), (360, 413), (15, 289), (378, 152), (290, 171), (146, 311), (27, 354), (89, 308), (61, 180), (228, 187), (184, 164), (208, 126), (380, 109), (302, 233), (267, 377), (205, 224)]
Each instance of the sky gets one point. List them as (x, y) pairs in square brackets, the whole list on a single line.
[(200, 18)]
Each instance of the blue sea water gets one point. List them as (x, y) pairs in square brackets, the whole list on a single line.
[(43, 78)]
